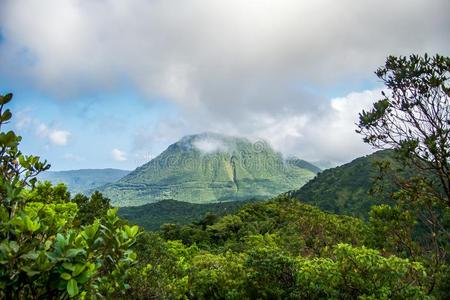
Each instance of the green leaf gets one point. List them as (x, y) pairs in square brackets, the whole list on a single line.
[(66, 276), (61, 242), (14, 246), (73, 252), (131, 231), (69, 266), (5, 99), (30, 272), (72, 287), (33, 255), (84, 277), (89, 232), (78, 269), (6, 116), (30, 225)]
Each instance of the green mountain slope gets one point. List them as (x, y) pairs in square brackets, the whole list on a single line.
[(207, 168), (346, 189), (294, 161), (85, 180)]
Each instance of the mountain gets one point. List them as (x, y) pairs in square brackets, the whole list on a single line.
[(85, 180), (151, 216), (303, 164), (346, 189), (324, 164), (207, 168)]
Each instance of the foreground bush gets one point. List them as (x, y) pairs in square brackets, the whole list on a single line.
[(44, 253)]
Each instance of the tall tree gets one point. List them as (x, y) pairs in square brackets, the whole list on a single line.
[(413, 118), (414, 115)]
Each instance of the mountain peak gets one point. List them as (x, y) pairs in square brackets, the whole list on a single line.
[(210, 142), (210, 167), (206, 142)]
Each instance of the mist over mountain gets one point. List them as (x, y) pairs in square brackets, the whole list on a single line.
[(210, 167)]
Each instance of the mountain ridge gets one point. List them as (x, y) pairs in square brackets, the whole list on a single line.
[(346, 189), (209, 167), (83, 180)]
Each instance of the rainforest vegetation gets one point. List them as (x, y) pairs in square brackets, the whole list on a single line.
[(57, 246)]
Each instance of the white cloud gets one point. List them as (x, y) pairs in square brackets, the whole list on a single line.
[(59, 137), (118, 155), (330, 136), (220, 54), (55, 136), (210, 145), (245, 67)]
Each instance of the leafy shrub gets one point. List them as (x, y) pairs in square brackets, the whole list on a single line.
[(43, 253)]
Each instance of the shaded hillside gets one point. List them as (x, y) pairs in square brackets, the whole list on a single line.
[(151, 216), (277, 249), (346, 189), (207, 168), (303, 164), (85, 180)]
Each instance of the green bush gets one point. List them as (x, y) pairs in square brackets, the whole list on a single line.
[(43, 252)]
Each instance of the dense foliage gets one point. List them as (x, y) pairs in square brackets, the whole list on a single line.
[(279, 249), (414, 116), (353, 188), (151, 216), (49, 247)]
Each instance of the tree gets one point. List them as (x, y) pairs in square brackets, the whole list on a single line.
[(89, 209), (414, 115), (43, 254), (413, 118)]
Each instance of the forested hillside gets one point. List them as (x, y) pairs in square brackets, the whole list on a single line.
[(208, 168), (151, 216), (84, 181), (279, 249), (295, 161), (350, 189)]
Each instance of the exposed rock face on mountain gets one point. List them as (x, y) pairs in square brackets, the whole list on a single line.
[(207, 168)]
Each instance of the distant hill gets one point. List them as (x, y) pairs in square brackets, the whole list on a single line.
[(207, 168), (346, 189), (303, 164), (324, 164), (151, 216), (85, 180)]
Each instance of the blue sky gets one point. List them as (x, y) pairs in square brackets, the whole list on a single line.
[(111, 83), (96, 125)]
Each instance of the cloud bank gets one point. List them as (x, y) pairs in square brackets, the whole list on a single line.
[(210, 145), (256, 68)]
